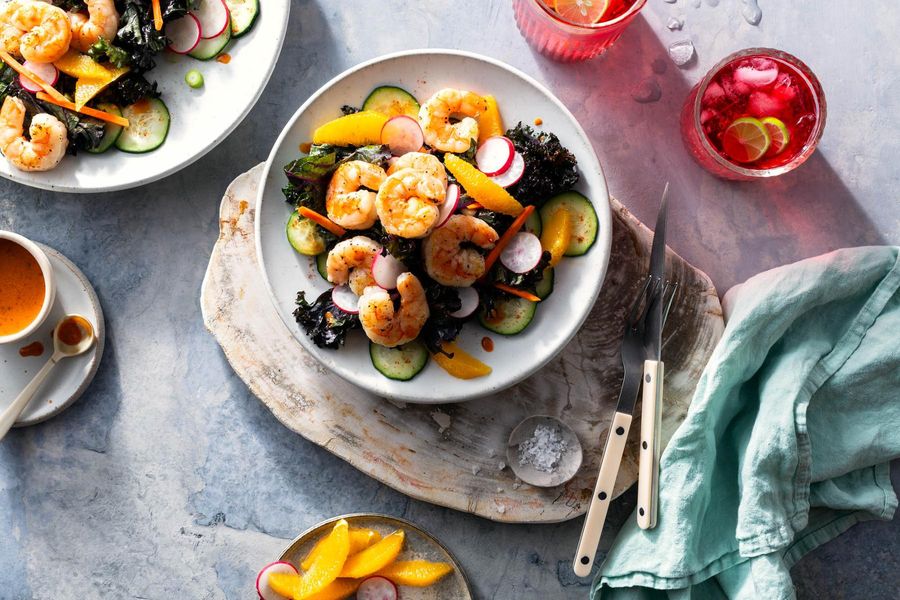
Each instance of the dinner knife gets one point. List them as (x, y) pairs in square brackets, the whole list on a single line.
[(652, 381)]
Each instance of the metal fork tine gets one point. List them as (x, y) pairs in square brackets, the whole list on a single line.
[(670, 290), (638, 301)]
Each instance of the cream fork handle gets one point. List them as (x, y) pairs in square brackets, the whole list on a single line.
[(606, 480), (648, 471)]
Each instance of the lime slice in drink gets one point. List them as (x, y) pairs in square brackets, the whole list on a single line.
[(779, 133), (746, 140)]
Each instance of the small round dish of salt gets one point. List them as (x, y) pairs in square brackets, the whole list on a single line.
[(543, 451)]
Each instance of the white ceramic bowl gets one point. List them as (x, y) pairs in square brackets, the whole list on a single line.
[(49, 285), (200, 119), (578, 280)]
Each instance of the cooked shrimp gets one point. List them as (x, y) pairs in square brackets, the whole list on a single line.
[(426, 163), (37, 31), (447, 261), (407, 201), (390, 326), (435, 114), (48, 142), (102, 21), (350, 261), (347, 204)]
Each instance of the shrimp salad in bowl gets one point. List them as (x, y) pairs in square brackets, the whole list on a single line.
[(425, 216), (74, 73)]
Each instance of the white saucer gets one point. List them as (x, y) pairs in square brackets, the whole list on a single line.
[(71, 376)]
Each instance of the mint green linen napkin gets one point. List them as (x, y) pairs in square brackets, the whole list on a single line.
[(787, 440)]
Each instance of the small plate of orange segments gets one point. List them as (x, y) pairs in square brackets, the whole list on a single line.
[(334, 559)]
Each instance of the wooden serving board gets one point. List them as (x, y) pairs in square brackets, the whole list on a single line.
[(453, 454)]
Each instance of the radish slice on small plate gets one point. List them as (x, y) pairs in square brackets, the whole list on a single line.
[(183, 34), (522, 253), (45, 71), (386, 269), (402, 134), (212, 15), (345, 299), (513, 174), (495, 155), (262, 580), (451, 203), (468, 297), (377, 588)]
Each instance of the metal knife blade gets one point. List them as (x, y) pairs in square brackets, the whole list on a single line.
[(656, 314)]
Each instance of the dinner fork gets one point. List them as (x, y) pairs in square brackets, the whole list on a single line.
[(633, 355)]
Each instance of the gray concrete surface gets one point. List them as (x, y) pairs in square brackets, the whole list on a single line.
[(169, 480)]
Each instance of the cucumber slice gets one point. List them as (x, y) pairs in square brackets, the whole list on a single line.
[(544, 287), (584, 217), (209, 49), (511, 315), (148, 126), (321, 260), (534, 224), (304, 235), (243, 15), (111, 131), (401, 363), (392, 101)]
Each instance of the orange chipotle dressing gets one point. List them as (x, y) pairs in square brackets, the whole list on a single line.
[(32, 349), (22, 288), (72, 330), (224, 58), (487, 343), (538, 121), (141, 106)]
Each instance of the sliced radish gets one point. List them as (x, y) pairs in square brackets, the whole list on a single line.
[(451, 203), (495, 155), (212, 16), (513, 174), (402, 134), (522, 253), (377, 588), (45, 71), (345, 299), (262, 580), (386, 269), (468, 297), (183, 34)]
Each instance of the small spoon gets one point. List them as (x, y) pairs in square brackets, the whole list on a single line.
[(73, 335), (569, 462)]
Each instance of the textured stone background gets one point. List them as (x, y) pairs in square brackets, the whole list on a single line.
[(168, 480)]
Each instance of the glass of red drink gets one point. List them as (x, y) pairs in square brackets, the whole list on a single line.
[(758, 113), (573, 30)]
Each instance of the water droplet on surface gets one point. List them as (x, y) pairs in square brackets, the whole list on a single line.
[(675, 23), (646, 91), (681, 52), (751, 12)]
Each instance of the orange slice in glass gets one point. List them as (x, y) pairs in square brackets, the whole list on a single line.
[(583, 12)]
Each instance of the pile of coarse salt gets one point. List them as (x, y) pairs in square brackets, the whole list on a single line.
[(544, 449)]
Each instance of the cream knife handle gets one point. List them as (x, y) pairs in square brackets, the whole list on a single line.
[(596, 514), (648, 472)]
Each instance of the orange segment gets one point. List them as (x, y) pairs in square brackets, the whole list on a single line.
[(375, 557), (360, 539), (327, 565), (489, 121), (481, 188), (337, 590), (557, 235), (583, 12), (462, 365), (284, 584), (358, 129), (415, 573)]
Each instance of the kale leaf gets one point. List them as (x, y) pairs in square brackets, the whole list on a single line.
[(137, 34), (307, 175), (349, 110), (550, 168), (324, 322), (68, 5), (440, 326), (526, 281), (103, 51), (128, 89)]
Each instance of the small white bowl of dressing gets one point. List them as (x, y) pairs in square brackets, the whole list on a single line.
[(28, 289)]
